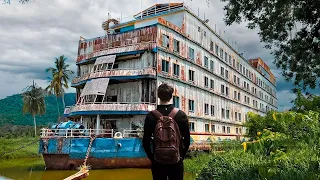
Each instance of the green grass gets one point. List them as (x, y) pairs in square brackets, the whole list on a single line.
[(27, 156), (8, 145), (196, 163)]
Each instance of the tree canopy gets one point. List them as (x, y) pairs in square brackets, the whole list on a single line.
[(290, 28)]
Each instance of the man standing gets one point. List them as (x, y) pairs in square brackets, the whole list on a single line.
[(169, 128)]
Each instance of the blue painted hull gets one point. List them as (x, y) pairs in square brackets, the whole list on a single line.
[(68, 153)]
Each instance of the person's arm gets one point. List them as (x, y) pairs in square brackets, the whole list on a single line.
[(185, 133), (147, 136)]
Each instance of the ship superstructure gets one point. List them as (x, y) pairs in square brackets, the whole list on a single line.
[(118, 75)]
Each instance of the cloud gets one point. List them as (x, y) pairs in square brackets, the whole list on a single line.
[(34, 34)]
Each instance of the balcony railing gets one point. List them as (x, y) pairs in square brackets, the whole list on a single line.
[(115, 72), (117, 106), (84, 133), (104, 50)]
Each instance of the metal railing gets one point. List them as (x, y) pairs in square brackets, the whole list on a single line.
[(84, 133), (115, 72), (114, 106), (104, 49)]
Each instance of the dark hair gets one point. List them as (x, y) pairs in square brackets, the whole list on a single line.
[(165, 92)]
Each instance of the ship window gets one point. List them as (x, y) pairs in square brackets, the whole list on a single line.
[(211, 65), (191, 105), (191, 53), (222, 72), (165, 41), (191, 126), (206, 128), (212, 110), (217, 50), (213, 128), (99, 98), (176, 102), (211, 84), (176, 69), (227, 91), (206, 61), (165, 66), (206, 82), (111, 98), (228, 130), (191, 75), (227, 113), (226, 57), (206, 109), (176, 46), (223, 113), (223, 129), (222, 89)]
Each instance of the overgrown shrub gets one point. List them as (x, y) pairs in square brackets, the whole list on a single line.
[(284, 146)]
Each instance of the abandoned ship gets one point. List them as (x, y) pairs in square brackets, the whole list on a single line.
[(119, 72)]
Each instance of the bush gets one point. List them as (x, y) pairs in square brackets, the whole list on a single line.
[(242, 166), (284, 146)]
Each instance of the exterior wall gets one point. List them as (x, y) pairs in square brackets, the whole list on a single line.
[(126, 92), (197, 65), (192, 26)]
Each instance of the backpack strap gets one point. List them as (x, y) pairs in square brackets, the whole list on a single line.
[(173, 113), (157, 113)]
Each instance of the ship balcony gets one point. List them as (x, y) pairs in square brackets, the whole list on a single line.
[(116, 74), (111, 108)]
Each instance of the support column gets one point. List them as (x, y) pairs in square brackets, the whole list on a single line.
[(98, 124)]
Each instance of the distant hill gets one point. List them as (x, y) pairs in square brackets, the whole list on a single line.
[(11, 110)]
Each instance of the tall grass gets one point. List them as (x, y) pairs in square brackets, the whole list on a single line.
[(11, 144)]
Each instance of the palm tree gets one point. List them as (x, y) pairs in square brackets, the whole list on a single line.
[(33, 103), (60, 77)]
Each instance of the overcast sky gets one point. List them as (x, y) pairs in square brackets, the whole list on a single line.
[(33, 34)]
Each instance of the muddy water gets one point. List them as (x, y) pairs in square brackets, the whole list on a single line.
[(27, 173)]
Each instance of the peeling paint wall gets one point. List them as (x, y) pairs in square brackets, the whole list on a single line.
[(202, 35), (197, 65), (99, 46)]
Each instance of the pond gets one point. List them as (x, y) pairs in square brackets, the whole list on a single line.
[(27, 171)]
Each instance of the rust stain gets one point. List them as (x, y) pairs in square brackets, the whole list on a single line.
[(198, 61), (183, 74), (175, 91), (63, 162), (183, 103)]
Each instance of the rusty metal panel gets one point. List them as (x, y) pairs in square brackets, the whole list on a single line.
[(133, 40)]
